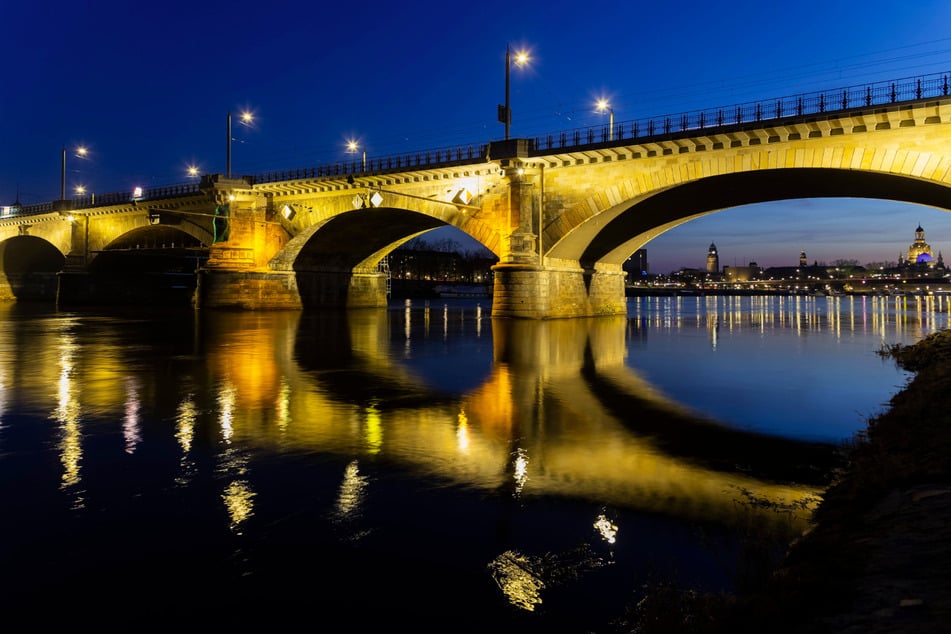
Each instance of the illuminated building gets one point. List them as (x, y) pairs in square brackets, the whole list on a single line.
[(713, 260)]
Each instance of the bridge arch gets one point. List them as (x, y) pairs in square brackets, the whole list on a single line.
[(149, 247), (360, 238), (29, 265), (352, 240), (639, 206), (335, 259)]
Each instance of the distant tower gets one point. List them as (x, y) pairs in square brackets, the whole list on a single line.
[(713, 260), (920, 252), (802, 259)]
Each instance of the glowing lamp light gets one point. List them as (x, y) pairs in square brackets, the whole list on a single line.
[(137, 193)]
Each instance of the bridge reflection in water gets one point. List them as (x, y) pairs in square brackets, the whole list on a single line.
[(524, 408), (557, 394)]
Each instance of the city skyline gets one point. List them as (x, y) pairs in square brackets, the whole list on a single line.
[(148, 91)]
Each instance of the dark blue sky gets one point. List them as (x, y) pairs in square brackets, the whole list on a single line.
[(147, 88)]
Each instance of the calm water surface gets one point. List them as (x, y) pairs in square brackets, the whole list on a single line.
[(422, 466)]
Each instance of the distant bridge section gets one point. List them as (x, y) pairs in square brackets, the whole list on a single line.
[(561, 211)]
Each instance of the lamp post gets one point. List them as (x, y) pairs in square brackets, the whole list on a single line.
[(604, 106), (246, 119), (81, 152), (352, 147), (505, 112)]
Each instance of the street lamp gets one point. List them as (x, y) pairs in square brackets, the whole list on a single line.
[(192, 171), (81, 191), (352, 147), (81, 152), (603, 106), (505, 112), (246, 119)]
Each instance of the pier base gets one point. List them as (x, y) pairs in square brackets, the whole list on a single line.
[(531, 292)]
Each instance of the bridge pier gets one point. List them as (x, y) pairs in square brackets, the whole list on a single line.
[(289, 290), (552, 292)]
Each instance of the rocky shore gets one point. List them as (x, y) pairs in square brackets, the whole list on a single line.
[(878, 558)]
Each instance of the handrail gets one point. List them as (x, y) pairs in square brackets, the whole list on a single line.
[(822, 102), (710, 119)]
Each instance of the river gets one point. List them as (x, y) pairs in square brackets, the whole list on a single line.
[(423, 465)]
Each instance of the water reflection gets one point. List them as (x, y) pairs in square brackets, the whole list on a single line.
[(557, 412), (292, 435), (790, 366), (68, 415)]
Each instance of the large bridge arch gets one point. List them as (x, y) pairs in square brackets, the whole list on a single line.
[(352, 240), (626, 203), (634, 224), (330, 257), (144, 243)]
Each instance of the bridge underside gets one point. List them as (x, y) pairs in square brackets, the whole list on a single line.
[(30, 266)]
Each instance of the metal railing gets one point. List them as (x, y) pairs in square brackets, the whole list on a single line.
[(443, 157), (859, 96), (110, 198)]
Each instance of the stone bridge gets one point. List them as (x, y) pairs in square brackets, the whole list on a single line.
[(562, 213)]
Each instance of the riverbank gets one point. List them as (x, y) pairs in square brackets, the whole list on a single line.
[(878, 559)]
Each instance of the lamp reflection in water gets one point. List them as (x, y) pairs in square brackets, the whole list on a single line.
[(463, 437), (185, 419), (350, 501), (374, 429), (238, 496), (606, 528), (68, 414), (130, 423)]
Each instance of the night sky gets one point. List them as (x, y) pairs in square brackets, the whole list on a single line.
[(147, 88)]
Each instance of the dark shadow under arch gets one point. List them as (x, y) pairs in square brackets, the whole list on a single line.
[(733, 190)]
